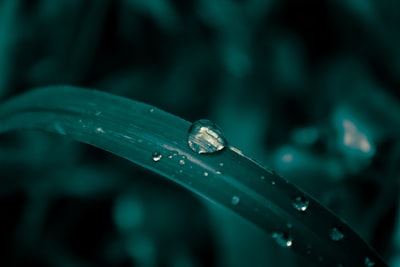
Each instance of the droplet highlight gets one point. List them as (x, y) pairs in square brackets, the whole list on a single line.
[(300, 203), (205, 137), (282, 239), (156, 156), (235, 200), (336, 235)]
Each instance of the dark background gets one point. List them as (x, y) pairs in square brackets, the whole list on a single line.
[(309, 88)]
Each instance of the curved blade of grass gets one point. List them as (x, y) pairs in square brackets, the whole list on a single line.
[(135, 131)]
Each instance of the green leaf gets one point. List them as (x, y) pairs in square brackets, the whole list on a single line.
[(138, 132)]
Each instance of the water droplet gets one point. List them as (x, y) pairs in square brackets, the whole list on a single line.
[(151, 110), (218, 172), (336, 234), (205, 174), (173, 154), (205, 137), (300, 203), (235, 200), (273, 182), (368, 262), (262, 177), (182, 162), (99, 130), (221, 164), (283, 239), (289, 225), (157, 156)]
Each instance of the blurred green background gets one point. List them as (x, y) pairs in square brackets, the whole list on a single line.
[(309, 88)]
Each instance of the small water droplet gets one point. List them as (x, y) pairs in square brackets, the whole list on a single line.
[(221, 164), (218, 172), (273, 182), (205, 174), (173, 154), (157, 156), (300, 203), (205, 137), (99, 130), (235, 200), (283, 239), (336, 234), (289, 225), (151, 110), (182, 162), (181, 171), (262, 177), (368, 262)]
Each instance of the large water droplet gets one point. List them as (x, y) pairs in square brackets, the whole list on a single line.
[(368, 262), (283, 239), (235, 200), (156, 156), (205, 137), (336, 234), (300, 203)]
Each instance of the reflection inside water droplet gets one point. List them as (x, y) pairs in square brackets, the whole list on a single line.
[(300, 203), (282, 239), (205, 137), (156, 156)]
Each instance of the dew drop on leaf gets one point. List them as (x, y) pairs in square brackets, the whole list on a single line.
[(368, 262), (336, 234), (156, 156), (235, 200), (282, 239), (182, 162), (300, 203), (205, 137)]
